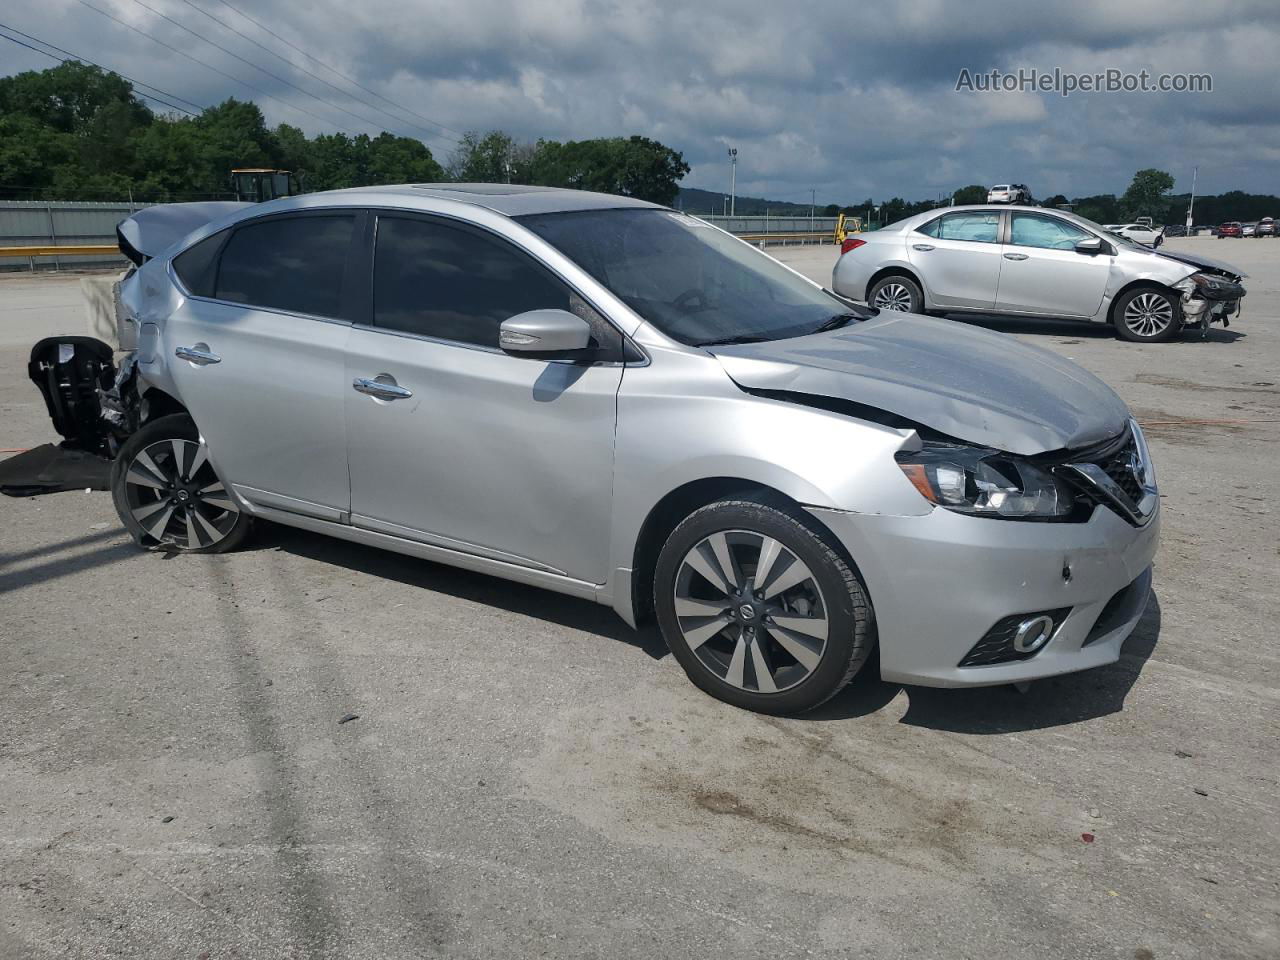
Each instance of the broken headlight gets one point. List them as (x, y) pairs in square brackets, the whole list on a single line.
[(1205, 284), (986, 483)]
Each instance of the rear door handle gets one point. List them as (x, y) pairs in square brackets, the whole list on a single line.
[(199, 355), (381, 389), (1015, 256), (922, 246)]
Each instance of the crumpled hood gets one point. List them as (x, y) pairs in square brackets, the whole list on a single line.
[(1200, 262), (981, 387)]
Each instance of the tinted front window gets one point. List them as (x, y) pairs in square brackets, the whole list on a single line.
[(690, 280), (976, 227), (1050, 233), (288, 263), (441, 281)]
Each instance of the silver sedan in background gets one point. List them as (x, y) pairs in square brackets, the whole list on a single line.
[(616, 401), (1032, 262)]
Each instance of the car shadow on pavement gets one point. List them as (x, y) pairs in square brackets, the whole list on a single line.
[(571, 612), (1077, 329), (1053, 702)]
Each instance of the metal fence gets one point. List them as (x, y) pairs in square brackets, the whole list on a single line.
[(786, 229), (61, 224), (76, 223)]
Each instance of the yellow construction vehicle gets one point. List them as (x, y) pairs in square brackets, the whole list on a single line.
[(846, 225), (259, 184)]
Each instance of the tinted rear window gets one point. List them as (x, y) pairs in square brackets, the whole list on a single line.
[(976, 227), (288, 263), (197, 266)]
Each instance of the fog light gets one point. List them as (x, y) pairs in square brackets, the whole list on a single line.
[(1032, 634)]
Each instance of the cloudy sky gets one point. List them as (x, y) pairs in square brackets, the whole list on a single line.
[(850, 99)]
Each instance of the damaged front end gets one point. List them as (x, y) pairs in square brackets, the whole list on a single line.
[(1210, 296)]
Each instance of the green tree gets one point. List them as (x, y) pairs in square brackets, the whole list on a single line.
[(485, 158), (974, 193), (1101, 208), (631, 166), (1146, 195), (395, 159)]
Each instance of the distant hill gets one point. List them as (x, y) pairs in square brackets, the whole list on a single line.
[(692, 200)]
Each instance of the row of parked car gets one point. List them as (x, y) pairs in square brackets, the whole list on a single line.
[(1266, 227)]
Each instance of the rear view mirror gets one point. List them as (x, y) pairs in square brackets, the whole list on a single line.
[(545, 335), (1090, 246)]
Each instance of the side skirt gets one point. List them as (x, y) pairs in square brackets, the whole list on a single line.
[(426, 551)]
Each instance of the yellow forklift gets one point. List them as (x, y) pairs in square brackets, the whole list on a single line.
[(846, 225), (260, 184)]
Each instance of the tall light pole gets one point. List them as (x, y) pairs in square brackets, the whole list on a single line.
[(1191, 206), (812, 194), (733, 180)]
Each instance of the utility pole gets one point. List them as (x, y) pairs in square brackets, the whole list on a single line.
[(1191, 206), (733, 181)]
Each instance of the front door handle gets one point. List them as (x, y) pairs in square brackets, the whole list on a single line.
[(1015, 256), (922, 246), (381, 389), (199, 355)]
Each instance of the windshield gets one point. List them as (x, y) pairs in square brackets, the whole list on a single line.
[(689, 279)]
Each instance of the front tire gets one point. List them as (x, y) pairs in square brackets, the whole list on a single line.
[(896, 292), (760, 609), (168, 495), (1147, 315)]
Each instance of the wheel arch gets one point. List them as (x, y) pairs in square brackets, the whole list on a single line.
[(895, 270), (1142, 283), (158, 403), (665, 515)]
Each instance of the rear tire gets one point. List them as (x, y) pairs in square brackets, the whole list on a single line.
[(167, 494), (1147, 315), (896, 292), (783, 646)]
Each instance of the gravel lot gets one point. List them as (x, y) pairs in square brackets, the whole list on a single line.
[(528, 777)]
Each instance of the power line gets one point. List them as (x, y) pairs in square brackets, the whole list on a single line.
[(294, 46), (208, 66), (276, 77), (314, 76), (71, 57)]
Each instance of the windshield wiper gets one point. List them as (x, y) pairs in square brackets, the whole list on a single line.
[(836, 322), (736, 338)]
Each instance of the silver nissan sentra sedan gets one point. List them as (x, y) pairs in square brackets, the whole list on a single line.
[(616, 401)]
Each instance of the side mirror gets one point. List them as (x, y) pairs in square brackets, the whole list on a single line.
[(545, 335), (1089, 247)]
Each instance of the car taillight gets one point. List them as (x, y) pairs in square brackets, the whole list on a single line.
[(853, 243)]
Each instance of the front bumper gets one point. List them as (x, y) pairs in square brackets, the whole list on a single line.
[(939, 582)]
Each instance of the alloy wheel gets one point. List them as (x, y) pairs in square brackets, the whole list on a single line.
[(893, 296), (175, 496), (1148, 314), (751, 611)]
